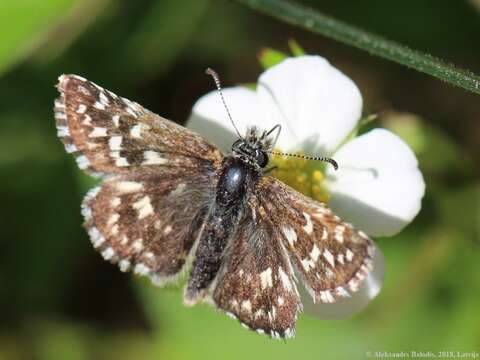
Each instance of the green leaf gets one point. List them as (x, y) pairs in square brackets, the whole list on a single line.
[(269, 57), (317, 22), (295, 48), (24, 25)]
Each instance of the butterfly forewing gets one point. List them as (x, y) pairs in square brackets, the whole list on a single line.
[(331, 257), (257, 284), (111, 135)]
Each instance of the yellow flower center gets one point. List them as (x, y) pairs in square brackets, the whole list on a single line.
[(302, 175)]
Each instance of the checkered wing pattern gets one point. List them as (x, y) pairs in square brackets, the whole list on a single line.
[(257, 285), (109, 134), (330, 256), (148, 223)]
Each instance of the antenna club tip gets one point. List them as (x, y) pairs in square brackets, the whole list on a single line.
[(335, 164), (210, 71)]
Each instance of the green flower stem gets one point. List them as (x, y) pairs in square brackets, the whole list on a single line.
[(317, 22)]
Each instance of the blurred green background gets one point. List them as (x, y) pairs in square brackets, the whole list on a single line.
[(60, 300)]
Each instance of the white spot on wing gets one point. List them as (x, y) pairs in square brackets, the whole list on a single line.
[(287, 284), (114, 230), (258, 314), (113, 219), (115, 202), (141, 269), (98, 132), (126, 187), (104, 98), (153, 158), (82, 162), (167, 230), (266, 278), (247, 306), (116, 120), (108, 253), (60, 115), (144, 207), (309, 225), (124, 265), (329, 257), (307, 264), (324, 234), (62, 131), (131, 112), (138, 245), (326, 296), (99, 105), (115, 143), (81, 109), (95, 236), (339, 230), (71, 148), (135, 131), (349, 255), (119, 160), (315, 253), (86, 212), (290, 234)]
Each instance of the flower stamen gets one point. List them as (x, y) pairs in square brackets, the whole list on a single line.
[(304, 176)]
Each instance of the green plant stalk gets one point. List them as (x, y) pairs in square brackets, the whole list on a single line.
[(317, 22)]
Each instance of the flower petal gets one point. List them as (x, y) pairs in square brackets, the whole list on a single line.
[(210, 119), (319, 104), (349, 306), (378, 186)]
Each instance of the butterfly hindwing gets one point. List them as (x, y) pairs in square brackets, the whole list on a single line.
[(331, 257), (257, 284), (109, 134), (148, 223)]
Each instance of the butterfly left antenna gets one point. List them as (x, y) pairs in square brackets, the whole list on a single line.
[(216, 78)]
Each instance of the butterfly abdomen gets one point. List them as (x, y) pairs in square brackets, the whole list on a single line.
[(222, 220)]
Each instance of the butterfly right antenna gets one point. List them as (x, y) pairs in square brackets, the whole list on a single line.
[(216, 78), (315, 158)]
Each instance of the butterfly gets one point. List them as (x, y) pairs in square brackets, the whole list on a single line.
[(169, 200)]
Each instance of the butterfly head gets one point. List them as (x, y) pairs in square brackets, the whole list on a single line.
[(253, 148)]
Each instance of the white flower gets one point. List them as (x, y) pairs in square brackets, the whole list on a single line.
[(378, 186)]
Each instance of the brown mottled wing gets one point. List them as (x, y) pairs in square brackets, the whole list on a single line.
[(109, 134), (148, 223), (256, 284), (331, 257), (159, 178)]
